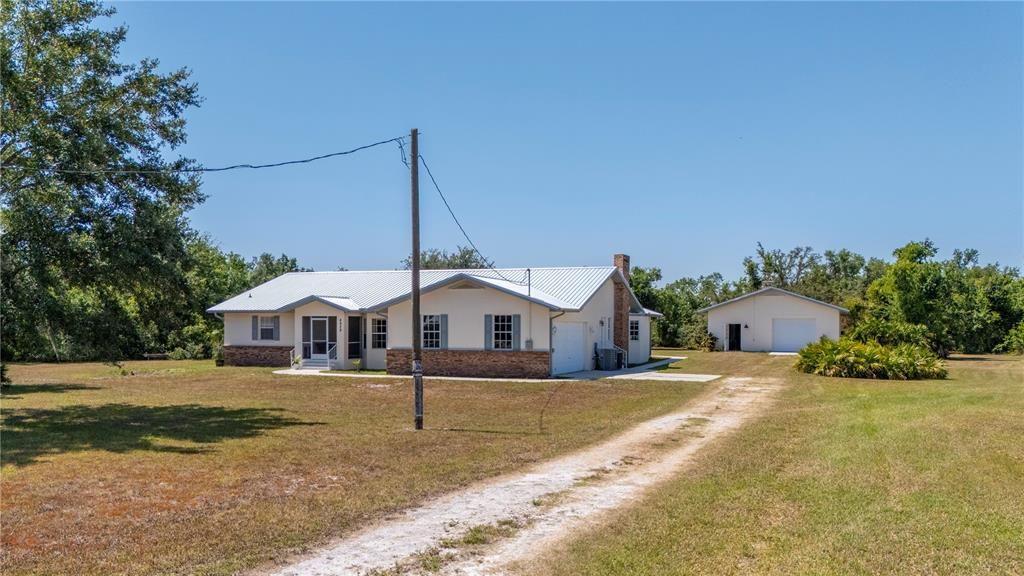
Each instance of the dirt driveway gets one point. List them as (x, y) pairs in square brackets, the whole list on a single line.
[(489, 526)]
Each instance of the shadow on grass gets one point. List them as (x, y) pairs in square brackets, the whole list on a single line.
[(975, 358), (29, 434), (15, 391), (485, 431)]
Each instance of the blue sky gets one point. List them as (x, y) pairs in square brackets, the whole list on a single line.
[(681, 134)]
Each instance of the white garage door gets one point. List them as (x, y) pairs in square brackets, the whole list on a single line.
[(569, 345), (792, 334)]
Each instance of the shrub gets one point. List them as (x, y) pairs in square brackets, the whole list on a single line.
[(195, 341), (706, 342), (189, 352), (890, 332), (4, 379), (1014, 341), (848, 358)]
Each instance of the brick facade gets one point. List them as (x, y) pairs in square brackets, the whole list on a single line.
[(474, 363), (258, 356), (620, 325)]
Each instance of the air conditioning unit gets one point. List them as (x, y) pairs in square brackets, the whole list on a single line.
[(608, 359)]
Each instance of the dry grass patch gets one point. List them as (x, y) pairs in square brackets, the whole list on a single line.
[(842, 477), (485, 534), (183, 468)]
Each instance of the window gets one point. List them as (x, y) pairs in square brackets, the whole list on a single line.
[(502, 332), (634, 329), (307, 338), (432, 331), (267, 328), (378, 333)]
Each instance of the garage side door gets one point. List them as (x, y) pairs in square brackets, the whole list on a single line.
[(792, 334), (569, 347)]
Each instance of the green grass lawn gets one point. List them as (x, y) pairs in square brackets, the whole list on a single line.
[(183, 468), (841, 477)]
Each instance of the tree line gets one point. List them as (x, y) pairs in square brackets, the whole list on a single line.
[(69, 321), (958, 304), (98, 260), (97, 257)]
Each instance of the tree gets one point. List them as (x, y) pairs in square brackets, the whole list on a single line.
[(265, 267), (916, 290), (836, 277), (642, 281), (963, 305), (464, 257), (679, 302), (956, 304), (777, 268), (214, 276), (982, 309), (87, 251)]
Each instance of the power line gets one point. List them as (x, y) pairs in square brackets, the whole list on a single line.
[(400, 140), (459, 224), (401, 150)]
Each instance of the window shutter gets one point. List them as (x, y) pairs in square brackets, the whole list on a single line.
[(488, 332), (255, 328), (277, 327), (332, 330), (516, 322), (444, 331)]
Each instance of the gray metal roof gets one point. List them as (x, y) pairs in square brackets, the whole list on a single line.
[(648, 312), (360, 291), (774, 289)]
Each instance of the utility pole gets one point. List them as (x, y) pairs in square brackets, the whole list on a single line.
[(417, 360)]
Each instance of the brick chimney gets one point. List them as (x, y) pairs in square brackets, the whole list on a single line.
[(620, 324), (621, 262)]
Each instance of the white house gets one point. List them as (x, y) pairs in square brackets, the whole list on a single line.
[(772, 320), (510, 322)]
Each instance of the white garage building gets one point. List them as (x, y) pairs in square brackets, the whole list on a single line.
[(772, 320)]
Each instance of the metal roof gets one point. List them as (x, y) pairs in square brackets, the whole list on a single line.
[(774, 289), (648, 312), (345, 304), (566, 289)]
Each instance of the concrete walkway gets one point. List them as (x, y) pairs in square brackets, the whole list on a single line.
[(635, 372), (598, 374), (354, 374), (668, 377)]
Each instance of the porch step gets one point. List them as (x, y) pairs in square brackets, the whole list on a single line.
[(318, 364)]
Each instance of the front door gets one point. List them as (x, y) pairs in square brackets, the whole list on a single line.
[(318, 340), (355, 337), (734, 337)]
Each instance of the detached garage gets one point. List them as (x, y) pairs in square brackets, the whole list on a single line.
[(772, 320)]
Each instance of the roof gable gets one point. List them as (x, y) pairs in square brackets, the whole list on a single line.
[(772, 289), (464, 280)]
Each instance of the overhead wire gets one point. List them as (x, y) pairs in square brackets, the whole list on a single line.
[(197, 169), (462, 229), (399, 140)]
